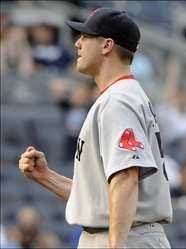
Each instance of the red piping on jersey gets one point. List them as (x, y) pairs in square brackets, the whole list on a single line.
[(124, 77)]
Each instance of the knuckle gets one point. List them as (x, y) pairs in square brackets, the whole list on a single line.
[(22, 161), (21, 168), (26, 160), (41, 154), (24, 155), (21, 165), (24, 167)]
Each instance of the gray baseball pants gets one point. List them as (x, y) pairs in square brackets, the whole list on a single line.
[(142, 236)]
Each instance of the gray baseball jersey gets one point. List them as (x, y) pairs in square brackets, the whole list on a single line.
[(120, 132)]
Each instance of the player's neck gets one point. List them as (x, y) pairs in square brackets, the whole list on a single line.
[(107, 75)]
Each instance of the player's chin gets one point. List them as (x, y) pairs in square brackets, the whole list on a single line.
[(81, 68)]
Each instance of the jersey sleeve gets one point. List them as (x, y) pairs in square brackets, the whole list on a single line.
[(123, 139)]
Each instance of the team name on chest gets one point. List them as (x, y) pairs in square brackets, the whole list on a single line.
[(79, 148)]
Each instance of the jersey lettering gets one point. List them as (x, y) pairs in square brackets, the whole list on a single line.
[(79, 148), (158, 137), (152, 111)]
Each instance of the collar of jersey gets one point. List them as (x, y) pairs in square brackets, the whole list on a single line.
[(124, 77)]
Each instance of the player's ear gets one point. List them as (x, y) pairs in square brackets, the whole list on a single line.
[(107, 46)]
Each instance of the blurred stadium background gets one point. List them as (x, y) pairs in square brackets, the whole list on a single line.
[(44, 102)]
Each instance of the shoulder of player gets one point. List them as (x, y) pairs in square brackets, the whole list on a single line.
[(126, 87), (129, 87), (123, 93)]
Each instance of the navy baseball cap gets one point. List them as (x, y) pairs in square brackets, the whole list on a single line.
[(109, 23)]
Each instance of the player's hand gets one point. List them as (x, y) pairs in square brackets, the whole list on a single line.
[(33, 164)]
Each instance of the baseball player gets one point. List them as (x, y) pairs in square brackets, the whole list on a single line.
[(120, 191)]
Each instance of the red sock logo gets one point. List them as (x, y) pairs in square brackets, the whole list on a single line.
[(129, 142)]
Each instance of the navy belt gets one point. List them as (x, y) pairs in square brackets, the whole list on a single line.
[(95, 229)]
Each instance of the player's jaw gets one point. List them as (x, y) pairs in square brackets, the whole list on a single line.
[(87, 64), (82, 63)]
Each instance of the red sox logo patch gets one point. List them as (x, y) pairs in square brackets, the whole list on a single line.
[(129, 142)]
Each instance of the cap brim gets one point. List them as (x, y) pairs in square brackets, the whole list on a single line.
[(80, 27)]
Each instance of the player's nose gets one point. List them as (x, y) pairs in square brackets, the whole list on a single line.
[(78, 43)]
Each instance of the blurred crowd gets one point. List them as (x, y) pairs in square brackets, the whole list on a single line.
[(27, 232), (38, 69)]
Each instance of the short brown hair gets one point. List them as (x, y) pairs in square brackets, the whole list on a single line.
[(124, 54)]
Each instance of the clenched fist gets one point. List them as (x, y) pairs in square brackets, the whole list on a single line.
[(33, 164)]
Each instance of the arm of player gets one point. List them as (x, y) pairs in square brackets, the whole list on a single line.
[(58, 184), (33, 165), (123, 196)]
